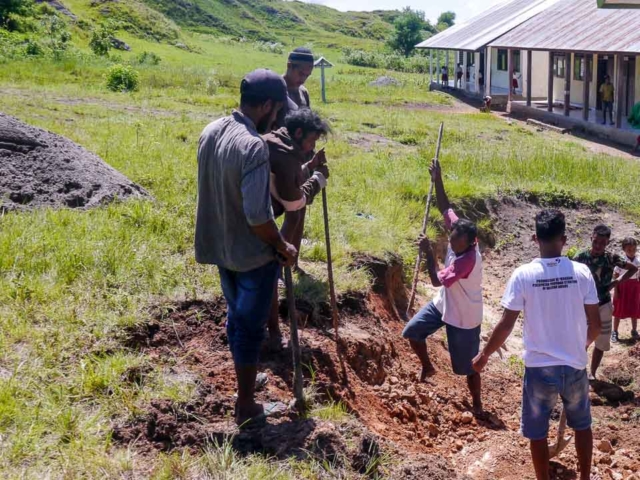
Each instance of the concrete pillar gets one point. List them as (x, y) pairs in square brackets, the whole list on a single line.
[(529, 75), (550, 84), (568, 67), (446, 64), (464, 71), (487, 72), (510, 72), (430, 66), (438, 66)]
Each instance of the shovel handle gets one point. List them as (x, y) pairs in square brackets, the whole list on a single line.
[(295, 341)]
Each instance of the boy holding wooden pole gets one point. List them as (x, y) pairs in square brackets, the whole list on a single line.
[(458, 304)]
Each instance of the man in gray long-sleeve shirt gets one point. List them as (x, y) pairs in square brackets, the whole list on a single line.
[(235, 229)]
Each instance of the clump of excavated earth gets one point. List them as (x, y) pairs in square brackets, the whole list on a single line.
[(42, 169)]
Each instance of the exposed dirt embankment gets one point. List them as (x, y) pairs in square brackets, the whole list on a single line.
[(427, 428), (42, 169)]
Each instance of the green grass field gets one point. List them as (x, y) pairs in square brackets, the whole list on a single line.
[(70, 281)]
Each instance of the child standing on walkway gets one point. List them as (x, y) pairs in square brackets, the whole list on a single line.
[(626, 301)]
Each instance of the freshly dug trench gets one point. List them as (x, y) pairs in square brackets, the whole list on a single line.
[(42, 169)]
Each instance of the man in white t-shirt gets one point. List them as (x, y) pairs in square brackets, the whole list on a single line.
[(458, 304), (561, 319)]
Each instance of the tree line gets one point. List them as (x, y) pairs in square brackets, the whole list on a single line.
[(411, 28)]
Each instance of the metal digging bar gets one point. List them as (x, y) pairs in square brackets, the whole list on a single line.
[(295, 341), (416, 269), (332, 288)]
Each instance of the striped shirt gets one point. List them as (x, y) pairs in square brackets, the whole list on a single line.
[(233, 195)]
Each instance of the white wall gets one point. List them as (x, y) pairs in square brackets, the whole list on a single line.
[(539, 74), (499, 78)]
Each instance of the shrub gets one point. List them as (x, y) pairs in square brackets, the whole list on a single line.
[(269, 47), (33, 48), (100, 42), (148, 58), (122, 78), (8, 7), (360, 58)]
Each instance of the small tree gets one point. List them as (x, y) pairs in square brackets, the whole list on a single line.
[(408, 31), (100, 42), (446, 20)]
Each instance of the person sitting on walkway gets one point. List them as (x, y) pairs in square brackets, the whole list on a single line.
[(458, 304), (560, 304), (602, 264), (294, 181), (235, 229)]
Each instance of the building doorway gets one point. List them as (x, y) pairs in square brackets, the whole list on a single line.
[(605, 67)]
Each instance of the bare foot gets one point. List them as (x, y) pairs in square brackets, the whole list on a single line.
[(427, 372)]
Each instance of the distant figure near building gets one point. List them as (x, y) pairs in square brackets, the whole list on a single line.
[(459, 73), (607, 91), (444, 75)]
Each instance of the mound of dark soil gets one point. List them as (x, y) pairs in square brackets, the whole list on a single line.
[(42, 169)]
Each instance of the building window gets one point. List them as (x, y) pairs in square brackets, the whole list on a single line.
[(579, 64), (502, 60), (559, 65)]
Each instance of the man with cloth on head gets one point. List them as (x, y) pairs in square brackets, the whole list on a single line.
[(294, 181), (235, 229), (458, 304), (299, 69)]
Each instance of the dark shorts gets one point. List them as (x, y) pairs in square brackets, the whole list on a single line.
[(541, 388), (249, 295), (464, 344)]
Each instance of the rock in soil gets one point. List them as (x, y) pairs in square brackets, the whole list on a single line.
[(42, 169)]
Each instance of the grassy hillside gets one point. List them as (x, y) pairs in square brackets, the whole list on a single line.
[(71, 281)]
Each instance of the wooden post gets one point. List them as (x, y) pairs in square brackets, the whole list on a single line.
[(430, 66), (568, 64), (322, 79), (587, 88), (438, 67), (550, 84), (510, 70), (619, 89), (529, 75), (487, 72), (476, 72)]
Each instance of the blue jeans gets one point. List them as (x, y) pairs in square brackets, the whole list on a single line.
[(541, 388), (463, 344), (249, 295)]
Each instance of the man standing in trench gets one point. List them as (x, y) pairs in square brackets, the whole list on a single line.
[(235, 229), (458, 304), (561, 319)]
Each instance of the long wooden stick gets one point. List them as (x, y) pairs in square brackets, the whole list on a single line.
[(295, 341), (332, 288), (416, 269)]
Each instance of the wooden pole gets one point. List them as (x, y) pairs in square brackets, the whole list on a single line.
[(568, 67), (324, 95), (550, 84), (416, 269), (619, 89), (529, 75), (438, 67), (510, 70), (295, 341), (587, 87), (332, 288), (476, 72)]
